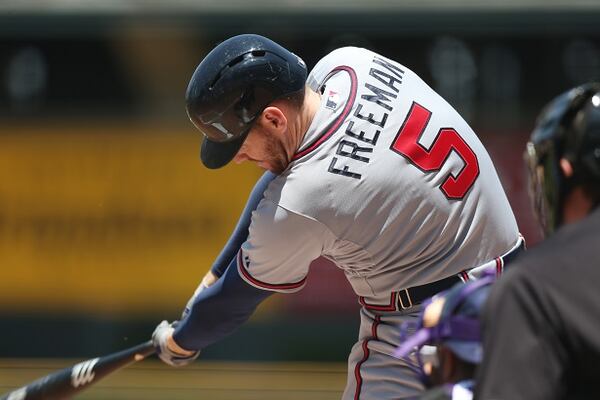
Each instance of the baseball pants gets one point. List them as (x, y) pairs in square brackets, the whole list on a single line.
[(373, 373)]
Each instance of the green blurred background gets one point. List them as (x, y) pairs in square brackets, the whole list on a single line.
[(108, 220)]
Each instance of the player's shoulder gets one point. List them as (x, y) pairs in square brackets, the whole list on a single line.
[(522, 280), (303, 189), (565, 255), (290, 207), (341, 57), (558, 251)]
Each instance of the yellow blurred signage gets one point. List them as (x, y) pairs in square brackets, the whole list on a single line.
[(110, 218)]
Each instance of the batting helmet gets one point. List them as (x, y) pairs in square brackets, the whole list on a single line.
[(231, 87), (568, 127)]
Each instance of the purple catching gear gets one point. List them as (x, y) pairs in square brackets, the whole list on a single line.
[(450, 318)]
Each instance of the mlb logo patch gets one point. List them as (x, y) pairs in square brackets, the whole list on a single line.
[(333, 100)]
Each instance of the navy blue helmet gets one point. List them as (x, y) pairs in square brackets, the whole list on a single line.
[(231, 87)]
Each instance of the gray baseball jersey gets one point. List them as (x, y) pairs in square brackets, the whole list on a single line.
[(390, 183)]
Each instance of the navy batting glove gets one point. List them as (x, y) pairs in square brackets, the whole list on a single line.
[(160, 339)]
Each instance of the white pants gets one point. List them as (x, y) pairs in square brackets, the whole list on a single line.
[(373, 373)]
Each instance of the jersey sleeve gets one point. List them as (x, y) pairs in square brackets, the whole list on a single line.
[(240, 233), (280, 247), (218, 310)]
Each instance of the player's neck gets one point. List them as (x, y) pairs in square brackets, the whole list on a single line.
[(312, 101), (577, 206), (298, 121)]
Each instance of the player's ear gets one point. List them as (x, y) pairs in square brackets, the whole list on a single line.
[(566, 167), (274, 119)]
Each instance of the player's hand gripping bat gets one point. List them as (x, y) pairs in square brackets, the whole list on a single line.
[(69, 381)]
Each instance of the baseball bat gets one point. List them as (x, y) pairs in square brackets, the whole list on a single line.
[(69, 381)]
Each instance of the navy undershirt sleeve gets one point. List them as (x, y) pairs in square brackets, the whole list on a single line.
[(219, 310), (240, 233)]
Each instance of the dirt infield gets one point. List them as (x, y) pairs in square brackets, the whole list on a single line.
[(204, 380)]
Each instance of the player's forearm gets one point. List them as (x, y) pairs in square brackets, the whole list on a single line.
[(240, 232), (223, 306), (218, 311)]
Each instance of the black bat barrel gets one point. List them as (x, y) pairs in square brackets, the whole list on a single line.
[(69, 381)]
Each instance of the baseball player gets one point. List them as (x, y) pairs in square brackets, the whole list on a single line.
[(541, 323), (448, 340), (369, 167)]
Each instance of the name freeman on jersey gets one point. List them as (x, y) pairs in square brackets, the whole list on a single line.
[(356, 146)]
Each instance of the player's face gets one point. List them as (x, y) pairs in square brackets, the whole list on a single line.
[(265, 148)]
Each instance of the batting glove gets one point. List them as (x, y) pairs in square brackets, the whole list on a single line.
[(163, 334)]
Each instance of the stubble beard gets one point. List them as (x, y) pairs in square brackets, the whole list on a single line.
[(277, 156)]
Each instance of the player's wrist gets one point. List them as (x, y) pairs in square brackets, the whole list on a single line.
[(168, 350), (177, 349), (209, 279)]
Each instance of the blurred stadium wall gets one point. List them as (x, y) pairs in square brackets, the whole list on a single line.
[(107, 218)]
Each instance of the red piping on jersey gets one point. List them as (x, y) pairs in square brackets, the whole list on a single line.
[(365, 348), (499, 265), (465, 276), (338, 122), (389, 307), (264, 285)]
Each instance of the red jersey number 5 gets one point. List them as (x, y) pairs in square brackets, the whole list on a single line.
[(407, 144)]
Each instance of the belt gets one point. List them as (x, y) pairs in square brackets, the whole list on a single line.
[(406, 298)]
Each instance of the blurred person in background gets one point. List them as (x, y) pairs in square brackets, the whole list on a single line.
[(368, 167), (541, 323), (448, 341)]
